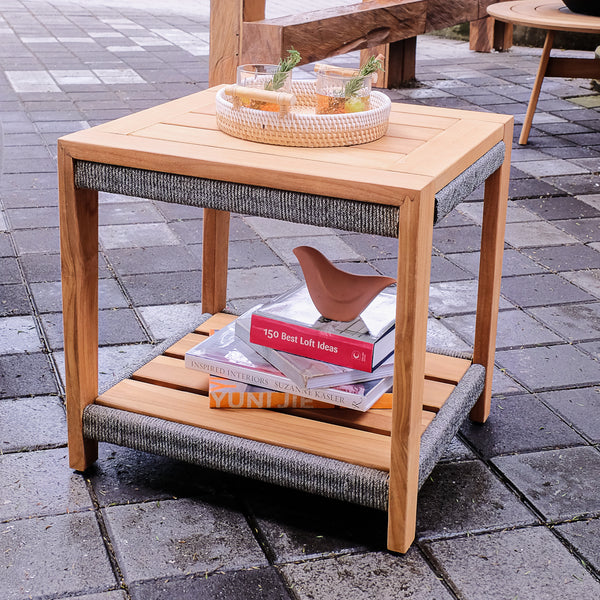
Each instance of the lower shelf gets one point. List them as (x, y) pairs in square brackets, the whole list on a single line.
[(166, 390)]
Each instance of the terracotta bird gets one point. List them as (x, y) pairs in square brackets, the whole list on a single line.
[(337, 295)]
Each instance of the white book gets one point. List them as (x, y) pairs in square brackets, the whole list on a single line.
[(225, 355), (309, 372)]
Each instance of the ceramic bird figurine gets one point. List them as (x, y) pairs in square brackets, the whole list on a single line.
[(337, 295)]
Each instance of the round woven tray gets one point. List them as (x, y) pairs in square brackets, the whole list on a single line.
[(299, 125)]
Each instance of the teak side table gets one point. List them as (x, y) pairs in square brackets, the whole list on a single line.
[(553, 16), (429, 160)]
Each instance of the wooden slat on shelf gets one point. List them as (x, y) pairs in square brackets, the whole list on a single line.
[(445, 368), (165, 388), (171, 372), (187, 342), (374, 420), (438, 367), (272, 427), (215, 322)]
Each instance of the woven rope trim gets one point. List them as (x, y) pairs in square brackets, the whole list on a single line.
[(283, 205), (239, 456), (282, 466)]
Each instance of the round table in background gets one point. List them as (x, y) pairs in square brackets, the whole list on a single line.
[(551, 15)]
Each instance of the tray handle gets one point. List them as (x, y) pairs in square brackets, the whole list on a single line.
[(344, 71), (239, 92)]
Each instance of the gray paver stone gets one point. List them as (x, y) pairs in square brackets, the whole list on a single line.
[(26, 374), (29, 423), (180, 537), (466, 497), (375, 575), (300, 526), (255, 584), (164, 288), (567, 258), (515, 328), (584, 536), (541, 290), (519, 424), (561, 484), (575, 322), (112, 595), (528, 564), (546, 367), (53, 556), (580, 408), (40, 483), (14, 300), (126, 476), (259, 282)]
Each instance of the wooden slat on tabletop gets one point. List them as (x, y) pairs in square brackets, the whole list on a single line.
[(333, 156), (400, 138), (412, 132), (545, 14), (467, 139), (415, 110), (379, 421), (131, 123), (246, 166), (272, 427), (400, 117)]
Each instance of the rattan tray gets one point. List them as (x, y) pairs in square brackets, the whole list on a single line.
[(297, 124)]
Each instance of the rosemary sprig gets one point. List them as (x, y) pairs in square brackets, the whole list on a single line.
[(371, 66), (283, 68)]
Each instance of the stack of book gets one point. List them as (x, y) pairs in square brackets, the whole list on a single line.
[(283, 354)]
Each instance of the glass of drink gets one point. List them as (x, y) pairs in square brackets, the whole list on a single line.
[(263, 77), (339, 93)]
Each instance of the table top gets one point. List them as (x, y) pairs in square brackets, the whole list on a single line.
[(424, 147), (544, 14)]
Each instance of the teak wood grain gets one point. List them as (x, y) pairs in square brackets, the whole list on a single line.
[(425, 149), (371, 172), (332, 31), (269, 426)]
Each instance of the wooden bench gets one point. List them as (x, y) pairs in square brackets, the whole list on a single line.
[(239, 33)]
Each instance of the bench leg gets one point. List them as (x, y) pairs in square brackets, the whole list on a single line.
[(537, 86), (490, 274), (215, 246), (414, 263), (78, 210)]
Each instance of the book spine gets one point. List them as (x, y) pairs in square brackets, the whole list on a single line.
[(226, 394), (304, 341), (281, 384)]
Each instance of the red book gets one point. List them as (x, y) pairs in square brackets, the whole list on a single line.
[(292, 323)]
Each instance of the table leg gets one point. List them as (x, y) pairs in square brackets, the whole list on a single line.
[(490, 273), (414, 263), (79, 267), (537, 86), (215, 246)]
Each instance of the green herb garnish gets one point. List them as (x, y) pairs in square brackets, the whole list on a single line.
[(283, 68), (371, 66)]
